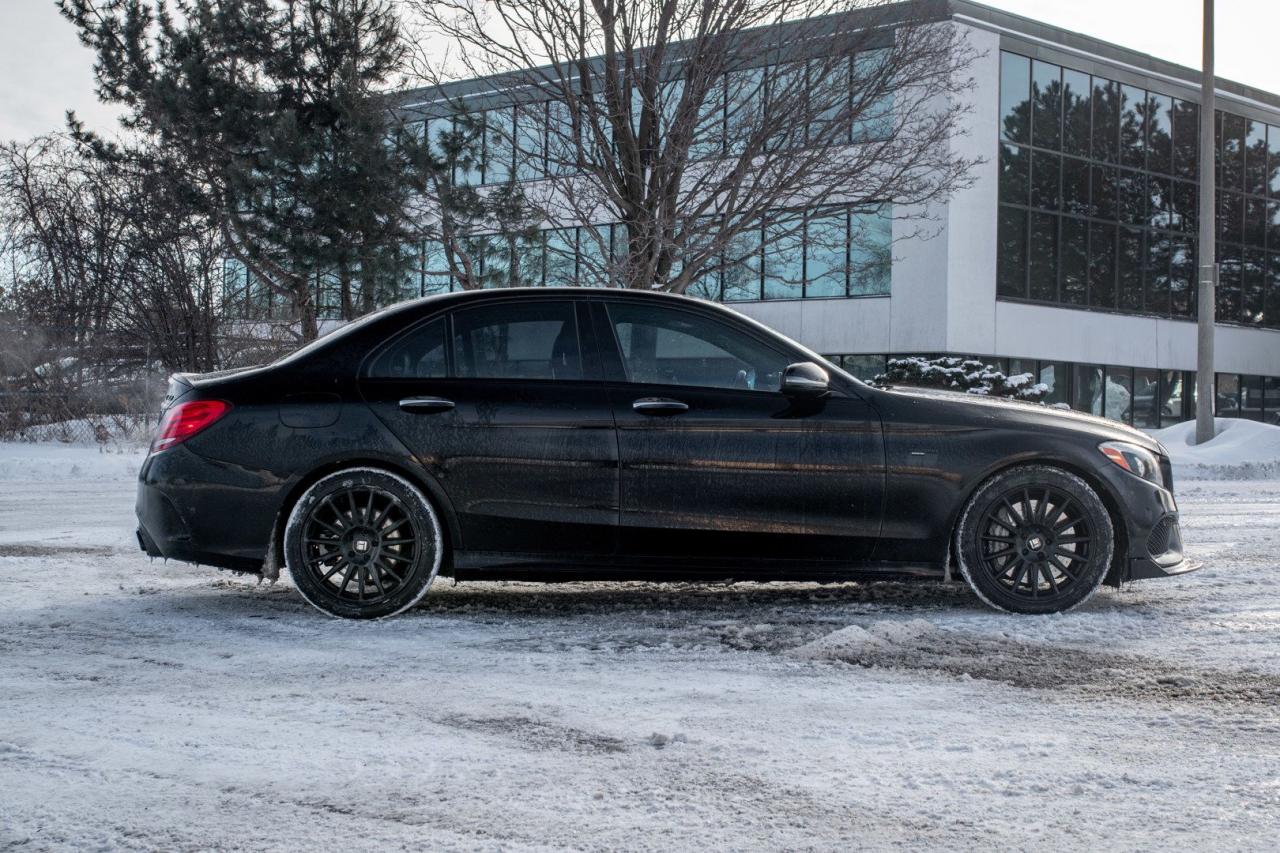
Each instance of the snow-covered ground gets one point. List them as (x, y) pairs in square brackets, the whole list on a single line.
[(1239, 450), (160, 706)]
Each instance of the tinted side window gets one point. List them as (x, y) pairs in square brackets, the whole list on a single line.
[(418, 355), (514, 340), (673, 347)]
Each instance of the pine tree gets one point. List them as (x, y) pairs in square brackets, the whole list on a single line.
[(270, 115)]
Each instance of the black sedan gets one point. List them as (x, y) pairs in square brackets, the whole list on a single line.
[(556, 434)]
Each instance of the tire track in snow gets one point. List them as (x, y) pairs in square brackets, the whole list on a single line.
[(917, 645)]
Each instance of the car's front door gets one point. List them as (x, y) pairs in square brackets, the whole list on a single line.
[(717, 463), (503, 403)]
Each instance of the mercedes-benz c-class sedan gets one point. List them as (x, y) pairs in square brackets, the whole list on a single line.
[(557, 434)]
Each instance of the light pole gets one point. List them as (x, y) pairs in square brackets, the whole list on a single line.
[(1206, 392)]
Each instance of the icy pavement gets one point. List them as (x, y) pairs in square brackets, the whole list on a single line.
[(154, 706)]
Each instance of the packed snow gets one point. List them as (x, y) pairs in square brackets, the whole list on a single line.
[(26, 462), (153, 705), (1239, 450)]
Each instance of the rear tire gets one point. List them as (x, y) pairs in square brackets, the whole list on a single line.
[(363, 543), (1035, 539)]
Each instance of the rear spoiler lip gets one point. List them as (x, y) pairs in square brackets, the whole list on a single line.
[(180, 385), (201, 380)]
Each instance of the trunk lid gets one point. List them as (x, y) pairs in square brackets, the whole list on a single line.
[(182, 384)]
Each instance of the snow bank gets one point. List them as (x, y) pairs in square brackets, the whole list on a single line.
[(55, 461), (857, 644), (1240, 450)]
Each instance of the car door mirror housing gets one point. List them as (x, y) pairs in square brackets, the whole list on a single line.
[(805, 379)]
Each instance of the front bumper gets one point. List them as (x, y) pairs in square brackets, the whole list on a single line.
[(1152, 531), (1164, 555), (1141, 568)]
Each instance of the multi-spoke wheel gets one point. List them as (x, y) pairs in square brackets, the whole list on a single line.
[(1035, 539), (362, 544)]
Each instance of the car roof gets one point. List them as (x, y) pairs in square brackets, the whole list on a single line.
[(483, 294)]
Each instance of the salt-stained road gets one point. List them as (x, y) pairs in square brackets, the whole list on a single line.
[(153, 706)]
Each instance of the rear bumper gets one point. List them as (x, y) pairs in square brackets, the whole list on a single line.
[(182, 505)]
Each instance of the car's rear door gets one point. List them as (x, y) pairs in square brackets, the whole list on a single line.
[(503, 402), (716, 462)]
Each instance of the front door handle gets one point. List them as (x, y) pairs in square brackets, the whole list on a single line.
[(659, 406), (426, 405)]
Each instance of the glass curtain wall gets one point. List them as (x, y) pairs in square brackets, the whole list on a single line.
[(1098, 196)]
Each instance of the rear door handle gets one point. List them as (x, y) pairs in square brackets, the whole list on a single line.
[(426, 405), (659, 406)]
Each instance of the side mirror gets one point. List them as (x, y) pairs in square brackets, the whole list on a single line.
[(804, 379)]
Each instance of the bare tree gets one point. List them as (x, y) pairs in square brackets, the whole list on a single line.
[(108, 271), (63, 227), (170, 298), (692, 122)]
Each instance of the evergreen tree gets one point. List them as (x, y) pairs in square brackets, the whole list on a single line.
[(270, 117)]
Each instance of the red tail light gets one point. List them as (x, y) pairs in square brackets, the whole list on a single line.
[(185, 420)]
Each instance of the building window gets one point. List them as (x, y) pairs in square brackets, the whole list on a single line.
[(530, 141), (784, 256), (864, 367), (436, 277), (1088, 390), (818, 253), (742, 266), (1046, 105), (826, 252), (499, 157), (1227, 405), (875, 121), (1057, 376), (1117, 402), (562, 257), (1146, 405), (1015, 98), (870, 249), (1099, 199)]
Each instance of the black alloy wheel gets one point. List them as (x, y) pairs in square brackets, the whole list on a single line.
[(1035, 540), (362, 544)]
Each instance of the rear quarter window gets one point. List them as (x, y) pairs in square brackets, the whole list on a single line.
[(419, 354)]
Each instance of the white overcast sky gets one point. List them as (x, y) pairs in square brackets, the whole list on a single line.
[(44, 71)]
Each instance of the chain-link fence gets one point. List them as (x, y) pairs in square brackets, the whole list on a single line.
[(81, 416), (59, 385)]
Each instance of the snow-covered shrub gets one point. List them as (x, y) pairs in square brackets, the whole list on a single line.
[(962, 374)]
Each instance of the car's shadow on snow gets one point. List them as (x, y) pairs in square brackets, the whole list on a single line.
[(234, 598), (241, 598), (594, 598)]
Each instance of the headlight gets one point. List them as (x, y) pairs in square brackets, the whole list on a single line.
[(1134, 459)]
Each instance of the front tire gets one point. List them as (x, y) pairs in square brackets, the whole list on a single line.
[(1035, 539), (363, 543)]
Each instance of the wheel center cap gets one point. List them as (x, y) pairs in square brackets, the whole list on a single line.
[(1035, 543), (360, 545)]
